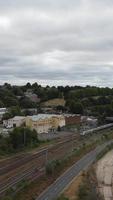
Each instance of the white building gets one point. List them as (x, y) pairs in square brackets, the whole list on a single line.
[(89, 121), (16, 121)]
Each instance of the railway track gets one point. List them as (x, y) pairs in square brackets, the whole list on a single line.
[(36, 160), (6, 167), (55, 151), (21, 162), (29, 175)]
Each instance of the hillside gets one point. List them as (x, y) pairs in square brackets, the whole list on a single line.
[(54, 102)]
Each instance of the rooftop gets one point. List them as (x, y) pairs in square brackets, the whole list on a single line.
[(42, 116), (18, 117), (3, 109)]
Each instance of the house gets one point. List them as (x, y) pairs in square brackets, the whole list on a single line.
[(32, 96), (44, 123), (16, 121)]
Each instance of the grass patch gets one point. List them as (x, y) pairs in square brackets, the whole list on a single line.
[(62, 197), (88, 188)]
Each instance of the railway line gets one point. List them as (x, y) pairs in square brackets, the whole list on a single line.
[(99, 128), (38, 159), (15, 163), (29, 175), (31, 166)]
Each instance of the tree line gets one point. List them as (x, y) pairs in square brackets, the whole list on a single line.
[(79, 100), (18, 139)]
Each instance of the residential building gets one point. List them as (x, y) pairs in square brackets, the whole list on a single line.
[(44, 123), (16, 121), (32, 96)]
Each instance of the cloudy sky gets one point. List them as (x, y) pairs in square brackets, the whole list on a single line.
[(56, 42)]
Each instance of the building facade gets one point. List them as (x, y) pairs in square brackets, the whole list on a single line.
[(43, 123), (16, 121)]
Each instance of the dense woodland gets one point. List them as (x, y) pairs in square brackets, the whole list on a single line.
[(80, 100)]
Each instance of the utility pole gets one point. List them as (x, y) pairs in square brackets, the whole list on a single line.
[(72, 142), (24, 137), (46, 156)]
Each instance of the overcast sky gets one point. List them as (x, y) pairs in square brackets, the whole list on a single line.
[(56, 42)]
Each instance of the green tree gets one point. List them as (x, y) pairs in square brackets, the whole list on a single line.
[(76, 108), (10, 101), (13, 111), (25, 102), (17, 91), (1, 104), (21, 137), (28, 85)]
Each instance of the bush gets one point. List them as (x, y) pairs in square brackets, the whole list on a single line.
[(21, 136), (52, 166)]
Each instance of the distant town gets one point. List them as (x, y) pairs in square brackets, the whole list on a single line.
[(47, 109)]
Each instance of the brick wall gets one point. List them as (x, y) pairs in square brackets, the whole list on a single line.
[(70, 120)]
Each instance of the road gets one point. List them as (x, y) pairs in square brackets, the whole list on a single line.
[(60, 184)]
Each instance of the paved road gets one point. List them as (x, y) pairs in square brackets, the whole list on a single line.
[(59, 185)]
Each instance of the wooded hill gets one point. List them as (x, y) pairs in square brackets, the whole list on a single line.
[(80, 100)]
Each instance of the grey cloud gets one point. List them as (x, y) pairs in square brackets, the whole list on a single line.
[(66, 41)]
